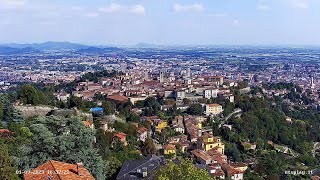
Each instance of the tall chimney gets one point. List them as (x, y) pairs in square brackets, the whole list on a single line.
[(80, 169)]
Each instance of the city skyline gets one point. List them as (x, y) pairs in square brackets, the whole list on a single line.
[(129, 22)]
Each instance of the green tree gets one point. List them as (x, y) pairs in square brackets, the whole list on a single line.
[(28, 94), (113, 166), (149, 147), (7, 171), (62, 139), (1, 111), (75, 102), (195, 109), (186, 101), (108, 107), (133, 118), (185, 170), (233, 152), (25, 132), (120, 126)]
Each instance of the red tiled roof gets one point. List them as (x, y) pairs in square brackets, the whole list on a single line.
[(118, 97), (201, 154), (87, 123), (142, 130), (5, 131), (230, 170), (315, 177), (169, 147), (120, 135), (218, 173), (58, 171), (214, 105)]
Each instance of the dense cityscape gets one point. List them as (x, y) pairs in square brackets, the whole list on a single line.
[(159, 90), (150, 112)]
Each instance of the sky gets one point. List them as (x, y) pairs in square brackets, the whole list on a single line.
[(164, 22)]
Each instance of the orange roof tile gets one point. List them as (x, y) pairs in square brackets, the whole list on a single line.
[(142, 130), (87, 123), (169, 147), (58, 171), (120, 135), (201, 154), (214, 105), (5, 131), (118, 97)]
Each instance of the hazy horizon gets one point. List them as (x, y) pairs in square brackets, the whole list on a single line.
[(162, 22), (142, 44)]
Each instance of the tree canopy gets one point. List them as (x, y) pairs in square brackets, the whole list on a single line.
[(7, 171), (185, 170), (62, 139)]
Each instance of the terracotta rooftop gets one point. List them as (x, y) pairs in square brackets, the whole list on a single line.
[(56, 170), (214, 105), (219, 172), (142, 130), (5, 131), (315, 177), (169, 147), (118, 97), (120, 135), (237, 164), (230, 170), (87, 123), (201, 154)]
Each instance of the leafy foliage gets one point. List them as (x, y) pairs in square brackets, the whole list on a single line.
[(195, 109), (7, 171), (29, 94), (62, 139), (185, 170)]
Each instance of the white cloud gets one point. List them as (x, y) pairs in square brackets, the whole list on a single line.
[(113, 8), (188, 8), (77, 8), (300, 4), (263, 7), (217, 15), (12, 3), (137, 9), (92, 14), (236, 22), (116, 8)]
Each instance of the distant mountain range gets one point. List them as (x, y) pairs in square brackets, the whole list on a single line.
[(98, 50), (4, 50), (49, 46), (14, 48)]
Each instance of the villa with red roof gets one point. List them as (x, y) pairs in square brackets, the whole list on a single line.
[(118, 98), (120, 136), (6, 133)]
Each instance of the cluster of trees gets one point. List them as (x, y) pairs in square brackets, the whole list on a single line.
[(281, 86), (151, 106), (185, 169), (262, 121), (95, 76), (114, 153), (7, 171), (195, 109), (9, 116), (28, 94), (62, 139), (38, 140)]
